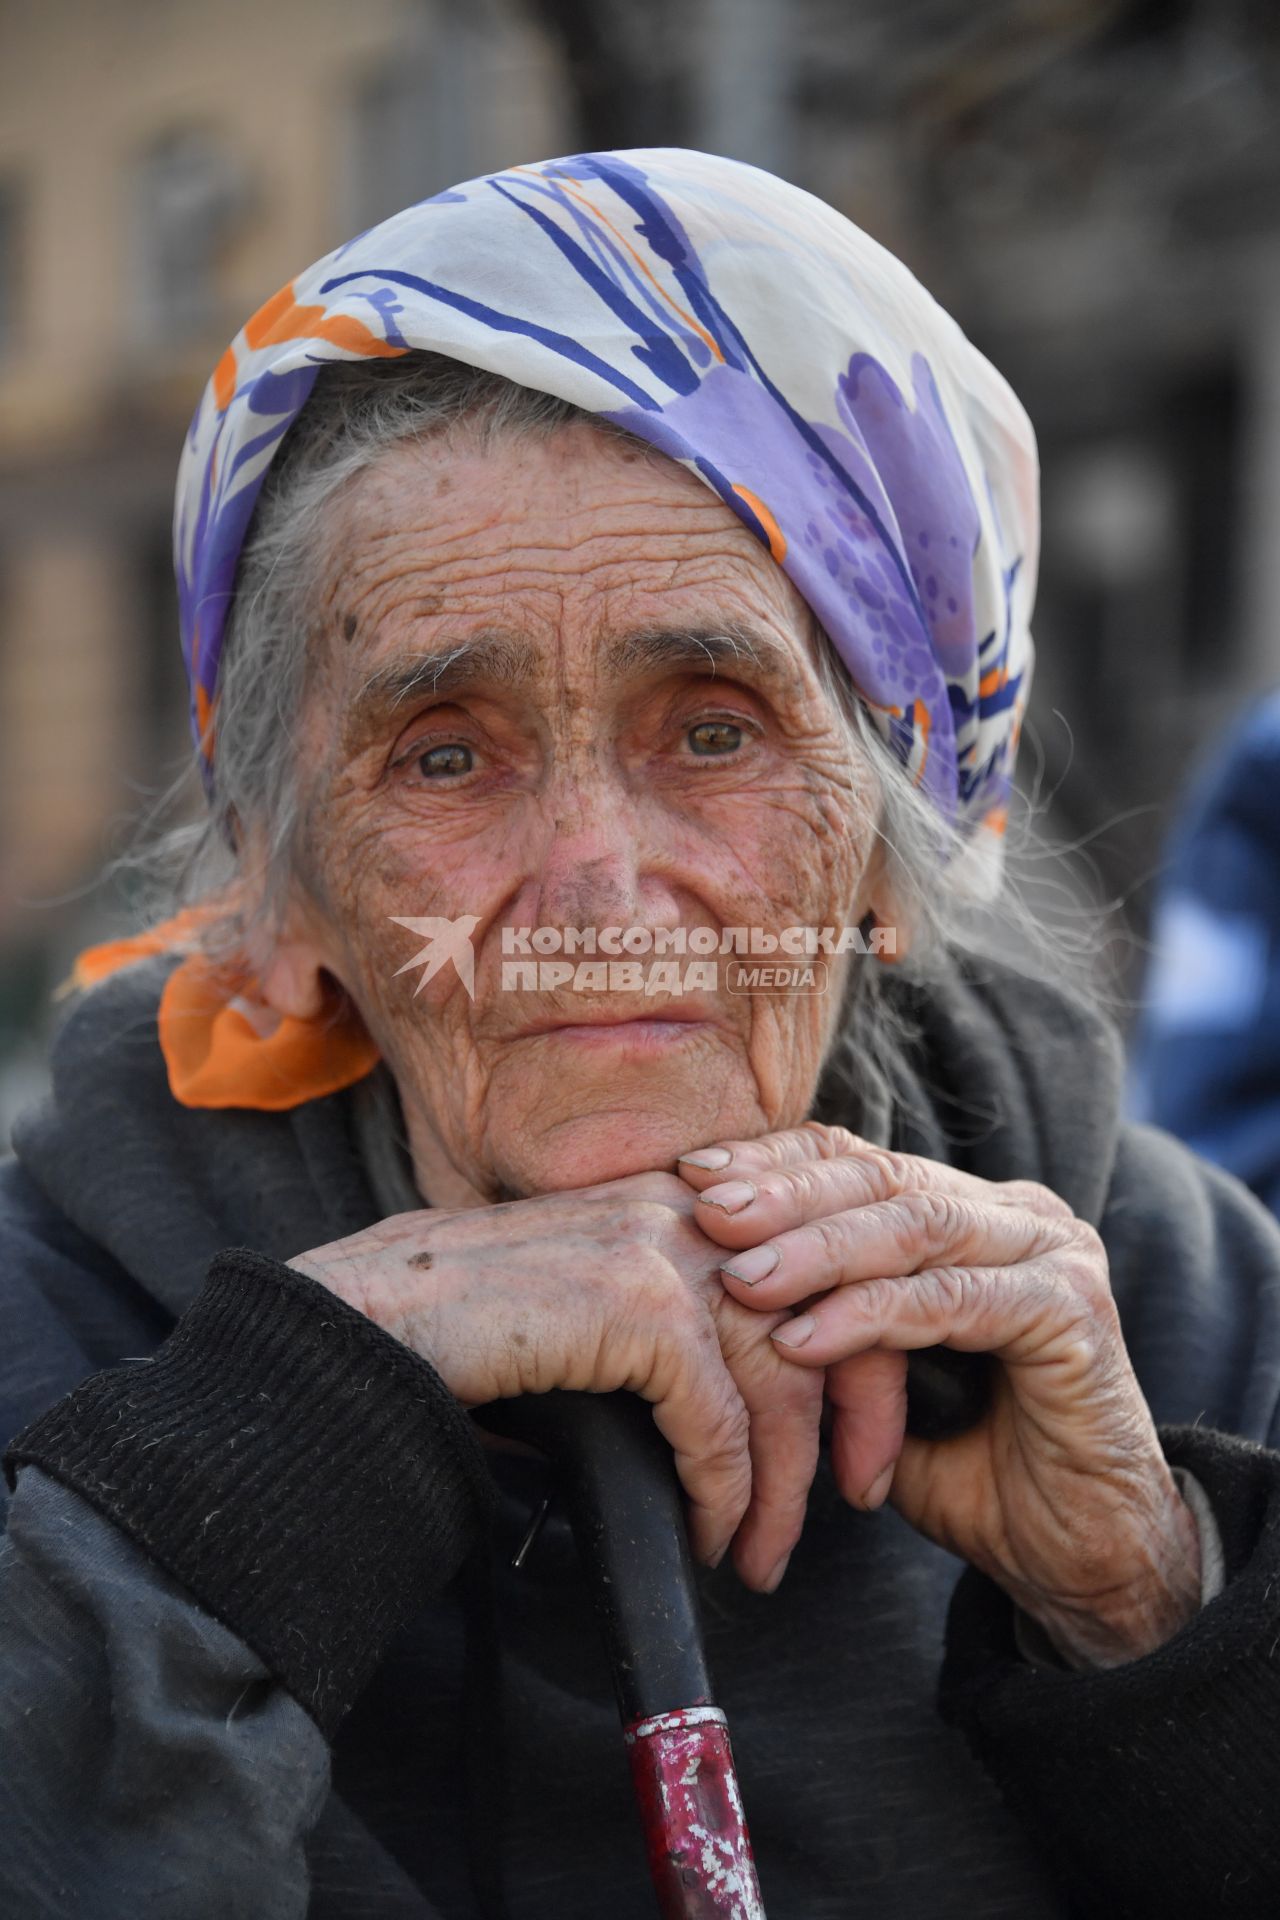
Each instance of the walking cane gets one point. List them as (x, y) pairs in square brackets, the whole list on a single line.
[(618, 1481)]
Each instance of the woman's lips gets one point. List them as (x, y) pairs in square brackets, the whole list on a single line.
[(646, 1032)]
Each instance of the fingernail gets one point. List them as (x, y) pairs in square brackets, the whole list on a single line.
[(878, 1492), (710, 1159), (732, 1197), (774, 1581), (794, 1333), (753, 1266), (714, 1559)]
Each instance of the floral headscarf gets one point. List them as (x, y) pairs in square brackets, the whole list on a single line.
[(744, 328)]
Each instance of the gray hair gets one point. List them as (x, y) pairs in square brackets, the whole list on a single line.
[(358, 412)]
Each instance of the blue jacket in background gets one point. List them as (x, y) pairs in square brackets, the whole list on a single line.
[(1207, 1059)]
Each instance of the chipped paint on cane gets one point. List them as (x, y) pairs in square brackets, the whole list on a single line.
[(674, 1723), (699, 1850)]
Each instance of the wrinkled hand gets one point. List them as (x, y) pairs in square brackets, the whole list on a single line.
[(1061, 1493), (609, 1287)]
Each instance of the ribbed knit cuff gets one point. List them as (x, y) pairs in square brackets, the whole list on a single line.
[(1151, 1787), (309, 1479)]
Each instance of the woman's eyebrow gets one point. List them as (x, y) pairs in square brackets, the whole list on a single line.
[(705, 649), (407, 677)]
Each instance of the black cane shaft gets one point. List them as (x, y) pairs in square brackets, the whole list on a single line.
[(618, 1483)]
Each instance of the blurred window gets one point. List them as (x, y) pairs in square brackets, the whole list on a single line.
[(423, 117), (188, 197)]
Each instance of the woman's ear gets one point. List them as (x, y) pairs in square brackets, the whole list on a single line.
[(883, 939), (291, 978), (884, 925), (284, 957)]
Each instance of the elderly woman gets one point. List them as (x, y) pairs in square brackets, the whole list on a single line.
[(606, 592)]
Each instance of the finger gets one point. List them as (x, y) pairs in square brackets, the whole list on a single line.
[(725, 1160), (1028, 1316), (729, 1159), (868, 1393), (700, 1413), (890, 1237), (784, 1445), (742, 1211), (750, 1484), (784, 1407)]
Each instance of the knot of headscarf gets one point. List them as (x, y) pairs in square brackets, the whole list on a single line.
[(745, 329)]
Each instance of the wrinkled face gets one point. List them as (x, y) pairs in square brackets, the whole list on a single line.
[(558, 684)]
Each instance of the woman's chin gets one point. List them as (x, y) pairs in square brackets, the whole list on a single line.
[(591, 1148), (566, 1112)]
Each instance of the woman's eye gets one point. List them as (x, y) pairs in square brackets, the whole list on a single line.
[(715, 736), (438, 763)]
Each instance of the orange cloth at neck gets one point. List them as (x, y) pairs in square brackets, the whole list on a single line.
[(222, 1045)]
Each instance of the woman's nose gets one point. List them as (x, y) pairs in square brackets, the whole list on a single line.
[(589, 870)]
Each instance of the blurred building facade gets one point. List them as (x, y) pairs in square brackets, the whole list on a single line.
[(163, 166), (1091, 186)]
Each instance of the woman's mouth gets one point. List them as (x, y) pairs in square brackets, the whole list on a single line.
[(636, 1033)]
